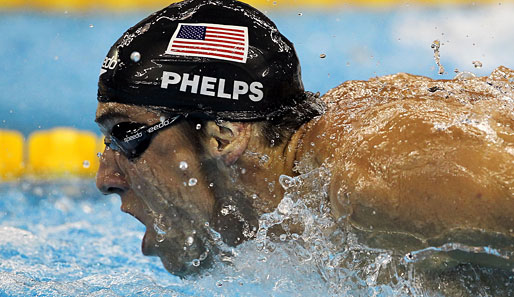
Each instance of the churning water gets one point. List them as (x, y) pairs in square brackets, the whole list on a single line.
[(64, 238)]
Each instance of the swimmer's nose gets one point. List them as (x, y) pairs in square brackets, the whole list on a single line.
[(109, 179)]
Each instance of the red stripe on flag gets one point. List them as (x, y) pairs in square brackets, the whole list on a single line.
[(221, 36), (208, 44), (209, 54), (224, 41), (226, 29), (209, 31)]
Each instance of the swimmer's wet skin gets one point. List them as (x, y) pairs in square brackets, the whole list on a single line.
[(409, 156)]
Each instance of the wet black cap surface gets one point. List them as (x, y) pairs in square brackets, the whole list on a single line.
[(218, 58)]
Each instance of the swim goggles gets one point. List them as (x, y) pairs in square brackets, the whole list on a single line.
[(132, 138)]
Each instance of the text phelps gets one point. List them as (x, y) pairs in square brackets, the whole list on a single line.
[(212, 86)]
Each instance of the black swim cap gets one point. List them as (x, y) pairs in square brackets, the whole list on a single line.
[(217, 58)]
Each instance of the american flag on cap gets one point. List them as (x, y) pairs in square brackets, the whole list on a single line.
[(215, 41)]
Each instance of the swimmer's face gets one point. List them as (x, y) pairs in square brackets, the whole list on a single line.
[(164, 188)]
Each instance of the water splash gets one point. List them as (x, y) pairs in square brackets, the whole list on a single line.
[(477, 64), (90, 248), (436, 44)]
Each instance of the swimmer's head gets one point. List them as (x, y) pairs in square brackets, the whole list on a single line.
[(218, 59), (191, 100)]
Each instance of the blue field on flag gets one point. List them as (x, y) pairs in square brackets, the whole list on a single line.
[(210, 41)]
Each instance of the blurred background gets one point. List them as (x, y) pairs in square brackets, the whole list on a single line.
[(51, 52)]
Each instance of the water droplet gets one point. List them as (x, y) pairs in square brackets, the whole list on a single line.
[(198, 126), (159, 237), (91, 26), (283, 237), (206, 224), (162, 119), (211, 185), (285, 206), (436, 44), (190, 241), (135, 57), (262, 259), (158, 226), (192, 182), (183, 165), (477, 64), (323, 56), (99, 155), (196, 262), (86, 164), (286, 181), (274, 2), (464, 75), (254, 196), (264, 159), (219, 283), (243, 171), (271, 186), (204, 255), (300, 14)]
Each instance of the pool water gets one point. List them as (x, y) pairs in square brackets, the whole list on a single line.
[(65, 239)]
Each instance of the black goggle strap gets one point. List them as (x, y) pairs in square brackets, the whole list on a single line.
[(163, 124)]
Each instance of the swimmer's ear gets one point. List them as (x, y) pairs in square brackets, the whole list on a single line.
[(227, 140)]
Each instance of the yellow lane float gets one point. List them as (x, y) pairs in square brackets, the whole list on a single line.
[(62, 152), (11, 154)]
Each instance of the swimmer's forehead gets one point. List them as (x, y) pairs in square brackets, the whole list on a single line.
[(110, 113)]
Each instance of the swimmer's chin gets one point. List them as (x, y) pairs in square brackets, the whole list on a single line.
[(175, 259), (147, 248)]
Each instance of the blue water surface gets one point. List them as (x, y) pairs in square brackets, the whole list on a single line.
[(68, 240)]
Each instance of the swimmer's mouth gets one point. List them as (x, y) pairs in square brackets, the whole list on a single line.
[(146, 245)]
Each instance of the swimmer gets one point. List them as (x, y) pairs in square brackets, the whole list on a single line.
[(203, 109)]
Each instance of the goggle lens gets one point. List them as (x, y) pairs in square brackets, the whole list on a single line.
[(132, 139)]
